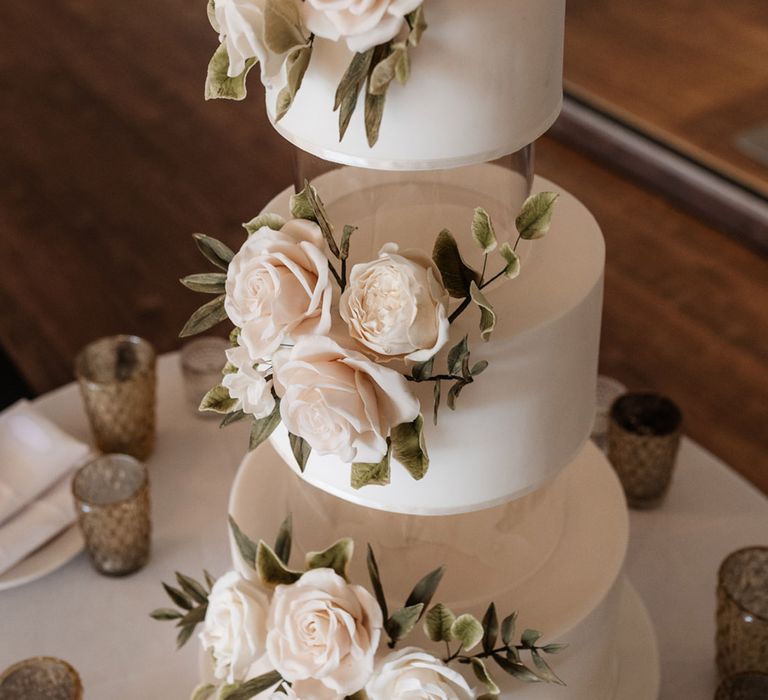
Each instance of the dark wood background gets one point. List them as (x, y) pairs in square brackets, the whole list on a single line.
[(692, 74), (110, 159)]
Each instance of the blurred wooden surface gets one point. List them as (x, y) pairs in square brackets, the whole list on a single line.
[(693, 74), (110, 159)]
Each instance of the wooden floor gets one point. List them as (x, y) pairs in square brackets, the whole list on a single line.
[(692, 72), (110, 159)]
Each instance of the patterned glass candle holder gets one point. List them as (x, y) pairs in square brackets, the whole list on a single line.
[(112, 498), (742, 612), (643, 440), (743, 686), (41, 678), (201, 363), (117, 382)]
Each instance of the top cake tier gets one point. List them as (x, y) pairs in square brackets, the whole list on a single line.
[(485, 81)]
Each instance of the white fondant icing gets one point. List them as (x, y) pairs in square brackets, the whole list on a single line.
[(530, 412), (485, 81)]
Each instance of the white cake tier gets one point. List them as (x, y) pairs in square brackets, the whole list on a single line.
[(632, 672), (570, 590), (531, 411), (485, 81)]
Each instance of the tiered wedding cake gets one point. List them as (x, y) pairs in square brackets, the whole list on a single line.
[(360, 355)]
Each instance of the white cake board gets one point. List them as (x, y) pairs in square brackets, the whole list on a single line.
[(637, 651), (577, 594)]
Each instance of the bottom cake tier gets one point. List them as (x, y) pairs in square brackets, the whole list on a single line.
[(564, 579)]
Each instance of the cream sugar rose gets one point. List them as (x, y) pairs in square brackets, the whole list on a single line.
[(340, 401), (362, 24), (335, 353), (321, 635)]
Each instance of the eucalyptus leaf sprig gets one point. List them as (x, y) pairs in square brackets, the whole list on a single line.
[(441, 625), (191, 599), (460, 372), (373, 71), (463, 282), (400, 623), (308, 205)]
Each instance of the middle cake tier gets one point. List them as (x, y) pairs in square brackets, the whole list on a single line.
[(531, 411)]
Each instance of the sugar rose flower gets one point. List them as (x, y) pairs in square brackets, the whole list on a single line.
[(412, 674), (278, 286), (396, 305), (248, 384), (241, 25), (363, 24), (323, 632), (235, 626), (340, 401)]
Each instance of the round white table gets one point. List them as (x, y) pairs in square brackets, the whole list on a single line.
[(102, 627)]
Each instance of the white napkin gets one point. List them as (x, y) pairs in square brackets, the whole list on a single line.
[(37, 523), (34, 455)]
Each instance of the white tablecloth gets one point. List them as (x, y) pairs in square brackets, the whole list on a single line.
[(102, 627)]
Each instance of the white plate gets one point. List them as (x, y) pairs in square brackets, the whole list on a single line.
[(55, 553)]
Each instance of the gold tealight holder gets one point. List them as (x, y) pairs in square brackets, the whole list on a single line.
[(743, 686), (117, 382), (742, 612), (112, 499), (643, 440), (41, 678)]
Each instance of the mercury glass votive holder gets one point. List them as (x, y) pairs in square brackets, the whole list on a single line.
[(742, 612), (40, 678), (743, 686), (112, 499), (201, 363), (117, 381), (643, 440)]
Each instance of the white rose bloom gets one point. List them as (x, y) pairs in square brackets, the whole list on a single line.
[(235, 626), (340, 401), (248, 385), (278, 285), (323, 632), (412, 674), (396, 305), (362, 23), (241, 24)]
